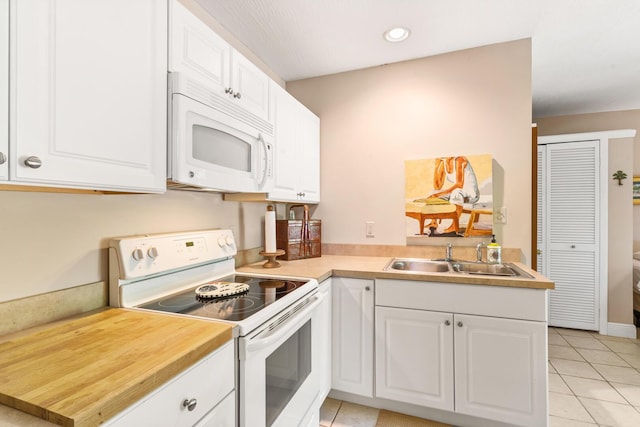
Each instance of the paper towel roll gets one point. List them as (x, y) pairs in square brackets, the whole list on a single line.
[(270, 230)]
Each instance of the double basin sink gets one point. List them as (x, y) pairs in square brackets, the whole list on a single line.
[(419, 265)]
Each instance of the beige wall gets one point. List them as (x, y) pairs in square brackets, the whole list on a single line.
[(624, 218), (54, 241), (476, 101)]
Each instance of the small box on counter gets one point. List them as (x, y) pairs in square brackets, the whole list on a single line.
[(299, 238)]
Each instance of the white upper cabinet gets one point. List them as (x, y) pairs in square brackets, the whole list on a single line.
[(4, 89), (88, 94), (297, 145), (197, 50)]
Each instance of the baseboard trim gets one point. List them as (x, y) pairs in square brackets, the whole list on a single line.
[(621, 330)]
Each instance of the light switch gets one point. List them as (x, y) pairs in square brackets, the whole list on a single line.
[(501, 215)]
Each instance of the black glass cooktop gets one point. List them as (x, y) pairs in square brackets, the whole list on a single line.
[(262, 292)]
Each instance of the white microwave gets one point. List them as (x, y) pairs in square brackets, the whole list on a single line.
[(215, 144)]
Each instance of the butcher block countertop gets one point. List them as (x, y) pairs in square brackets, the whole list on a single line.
[(369, 267), (83, 371)]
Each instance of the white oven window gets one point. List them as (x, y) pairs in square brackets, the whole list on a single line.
[(220, 148), (286, 369)]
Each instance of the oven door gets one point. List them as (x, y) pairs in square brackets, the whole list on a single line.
[(211, 149), (279, 378)]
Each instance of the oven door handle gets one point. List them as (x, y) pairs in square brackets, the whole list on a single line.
[(284, 328)]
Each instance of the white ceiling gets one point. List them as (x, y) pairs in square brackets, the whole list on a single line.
[(585, 53)]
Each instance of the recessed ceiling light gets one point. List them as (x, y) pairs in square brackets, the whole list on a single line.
[(396, 34)]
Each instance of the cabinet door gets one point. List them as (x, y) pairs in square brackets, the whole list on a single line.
[(197, 50), (309, 156), (250, 86), (223, 415), (414, 357), (325, 340), (285, 174), (4, 90), (501, 369), (88, 94), (297, 150), (353, 336)]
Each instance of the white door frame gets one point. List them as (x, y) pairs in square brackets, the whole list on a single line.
[(603, 240)]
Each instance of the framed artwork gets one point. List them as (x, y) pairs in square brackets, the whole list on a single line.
[(636, 190), (449, 197)]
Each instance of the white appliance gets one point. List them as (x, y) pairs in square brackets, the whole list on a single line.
[(277, 319), (215, 144)]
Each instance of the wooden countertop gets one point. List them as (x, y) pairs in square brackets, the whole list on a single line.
[(368, 267), (85, 370)]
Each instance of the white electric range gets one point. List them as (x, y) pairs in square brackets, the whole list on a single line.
[(276, 317)]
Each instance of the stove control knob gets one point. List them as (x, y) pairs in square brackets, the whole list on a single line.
[(152, 252), (137, 254), (225, 241)]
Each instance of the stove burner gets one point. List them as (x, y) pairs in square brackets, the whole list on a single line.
[(221, 289), (257, 293)]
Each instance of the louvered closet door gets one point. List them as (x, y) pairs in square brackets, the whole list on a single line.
[(572, 233)]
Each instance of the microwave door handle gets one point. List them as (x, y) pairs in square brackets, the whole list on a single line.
[(283, 329), (265, 150)]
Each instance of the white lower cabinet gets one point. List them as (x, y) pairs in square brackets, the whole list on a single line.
[(501, 369), (481, 364), (414, 357), (203, 395), (325, 340), (352, 353)]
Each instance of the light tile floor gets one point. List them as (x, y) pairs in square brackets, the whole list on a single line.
[(594, 380)]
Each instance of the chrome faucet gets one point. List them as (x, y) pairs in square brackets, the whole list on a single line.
[(479, 251), (448, 253)]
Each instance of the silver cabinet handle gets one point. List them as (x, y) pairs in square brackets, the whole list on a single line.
[(228, 90), (3, 158), (237, 95), (447, 323), (190, 404), (33, 162), (460, 324)]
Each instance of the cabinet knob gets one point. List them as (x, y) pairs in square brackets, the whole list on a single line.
[(573, 246), (3, 158), (228, 91), (447, 323), (33, 162), (190, 404), (237, 95), (460, 324), (367, 288)]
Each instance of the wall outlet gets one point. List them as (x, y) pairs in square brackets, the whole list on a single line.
[(369, 229)]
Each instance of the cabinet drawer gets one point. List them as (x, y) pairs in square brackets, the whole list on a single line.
[(208, 382), (496, 301)]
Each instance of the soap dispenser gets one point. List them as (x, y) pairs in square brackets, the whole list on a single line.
[(494, 255)]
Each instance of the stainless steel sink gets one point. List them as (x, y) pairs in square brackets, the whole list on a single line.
[(418, 265), (484, 269)]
